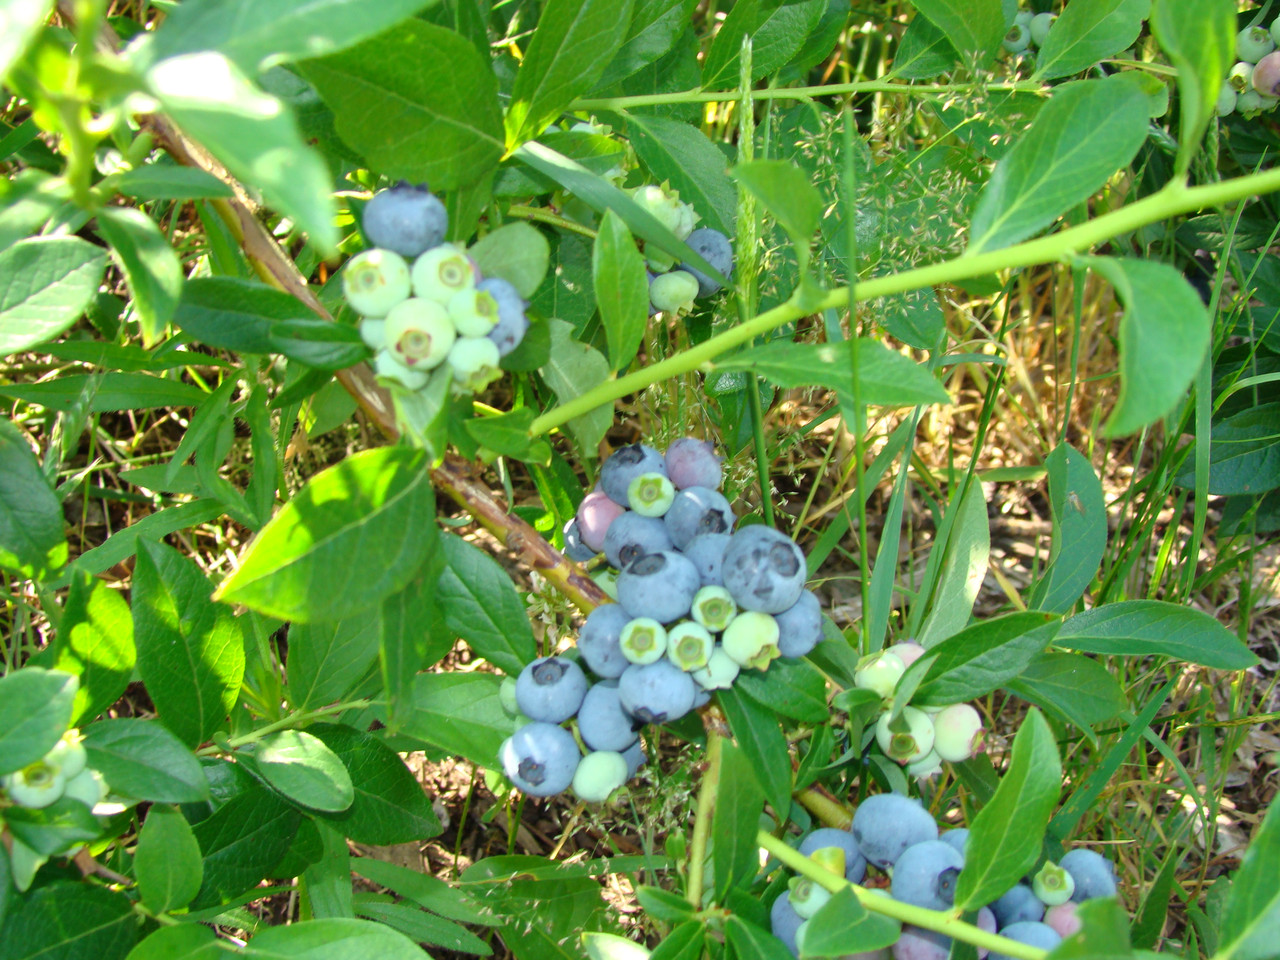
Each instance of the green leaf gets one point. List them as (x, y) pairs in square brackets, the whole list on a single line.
[(242, 841), (151, 268), (681, 154), (1103, 935), (1076, 688), (1087, 131), (255, 35), (72, 920), (886, 378), (422, 927), (1244, 453), (996, 857), (425, 890), (1087, 32), (735, 859), (123, 543), (1164, 337), (749, 942), (164, 181), (665, 905), (963, 569), (979, 658), (508, 434), (622, 289), (35, 711), (573, 43), (756, 731), (1079, 531), (515, 252), (167, 860), (573, 369), (254, 136), (1251, 921), (787, 193), (142, 759), (656, 25), (461, 713), (51, 830), (686, 941), (1199, 37), (791, 688), (22, 21), (327, 659), (190, 649), (107, 392), (843, 926), (95, 642), (45, 285), (32, 544), (235, 314), (335, 938), (972, 26), (482, 606), (1145, 628), (188, 941), (924, 52), (778, 30), (306, 771), (351, 537), (318, 343), (418, 102)]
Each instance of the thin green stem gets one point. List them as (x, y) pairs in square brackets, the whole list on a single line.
[(546, 216), (1174, 199), (295, 719), (708, 791), (945, 923)]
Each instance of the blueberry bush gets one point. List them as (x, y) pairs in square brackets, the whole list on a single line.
[(619, 401)]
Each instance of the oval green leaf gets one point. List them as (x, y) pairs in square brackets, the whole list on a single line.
[(1145, 628), (45, 285), (35, 710)]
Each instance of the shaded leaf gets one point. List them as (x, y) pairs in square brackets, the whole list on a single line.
[(1144, 628)]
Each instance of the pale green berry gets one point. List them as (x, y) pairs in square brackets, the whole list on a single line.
[(674, 292), (599, 773), (1254, 43), (68, 754), (643, 640), (909, 738), (419, 333), (751, 639), (1275, 31), (713, 607), (719, 673), (1226, 104), (807, 897), (1040, 26), (1024, 17), (1017, 39), (929, 765), (375, 281), (374, 333), (1053, 885), (689, 646), (879, 673), (442, 272), (666, 207), (388, 367), (475, 363), (507, 696), (36, 785), (88, 787), (1241, 77), (650, 494), (1249, 103), (474, 312), (957, 732)]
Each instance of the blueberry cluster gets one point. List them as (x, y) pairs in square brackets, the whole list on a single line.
[(1253, 85), (439, 312), (697, 603), (674, 287), (919, 738), (62, 772), (898, 837), (1028, 30)]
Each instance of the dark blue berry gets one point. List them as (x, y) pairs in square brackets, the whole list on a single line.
[(551, 689), (696, 511), (540, 758), (599, 640), (406, 218), (632, 536), (714, 247), (624, 465), (659, 585), (763, 569)]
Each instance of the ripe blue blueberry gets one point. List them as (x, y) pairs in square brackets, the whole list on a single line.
[(595, 513), (550, 689), (957, 837), (1094, 874), (855, 864), (635, 757), (660, 585), (706, 552), (512, 323), (632, 536), (926, 875), (650, 494), (919, 943), (763, 569), (695, 511), (624, 465), (602, 723), (1032, 933), (406, 218), (599, 773), (693, 463), (656, 692), (1017, 904), (574, 548), (540, 758), (714, 247), (784, 922), (886, 824), (599, 640), (799, 626)]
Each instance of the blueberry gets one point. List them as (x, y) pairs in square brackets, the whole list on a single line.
[(385, 365), (602, 723), (693, 463), (673, 292), (474, 312), (799, 626), (713, 607), (784, 922), (751, 639), (1254, 43), (1030, 932), (719, 673), (1226, 104), (596, 513), (1275, 30), (599, 773), (550, 689), (879, 673), (88, 786), (574, 548), (650, 494), (406, 218), (599, 639), (888, 823), (1018, 903), (632, 536), (666, 206), (36, 785), (855, 865), (689, 646), (540, 758), (375, 281), (924, 767), (659, 585), (957, 732), (1052, 884), (507, 697), (442, 272), (695, 511), (1040, 26), (926, 875), (1063, 919), (1250, 103), (958, 838), (68, 754), (656, 692), (807, 898), (909, 738), (715, 248), (1017, 39), (374, 333), (917, 943), (706, 551), (763, 569), (908, 651), (644, 640), (512, 323), (1094, 874), (1240, 78), (624, 465), (1024, 17), (475, 364), (419, 333), (1266, 75)]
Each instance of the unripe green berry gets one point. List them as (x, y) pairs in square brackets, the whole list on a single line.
[(419, 333), (879, 673), (1024, 17), (1226, 104), (1041, 24), (1053, 885), (751, 639), (832, 859), (1017, 39), (385, 365), (958, 732), (88, 787), (475, 363), (507, 696), (474, 312), (650, 494), (674, 292), (1254, 43), (442, 272), (36, 785), (375, 281), (1241, 77), (599, 773), (929, 765), (68, 754), (807, 897), (689, 646), (643, 640), (909, 738), (713, 607), (374, 333), (1249, 103), (719, 673)]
